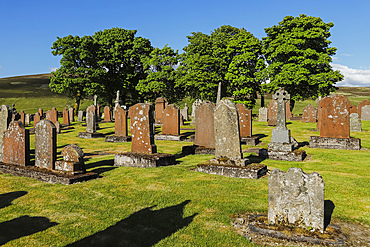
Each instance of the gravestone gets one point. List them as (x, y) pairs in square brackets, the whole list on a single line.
[(36, 119), (90, 127), (194, 108), (73, 161), (66, 117), (288, 113), (184, 113), (5, 118), (353, 109), (262, 114), (80, 117), (107, 114), (48, 115), (22, 117), (160, 105), (71, 114), (354, 123), (204, 129), (120, 127), (360, 105), (45, 144), (16, 144), (272, 113), (365, 111), (41, 113), (245, 125), (58, 127), (309, 114), (27, 119), (54, 115), (171, 120), (93, 108), (296, 198)]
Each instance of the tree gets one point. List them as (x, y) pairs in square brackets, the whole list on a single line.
[(230, 57), (298, 55), (161, 76)]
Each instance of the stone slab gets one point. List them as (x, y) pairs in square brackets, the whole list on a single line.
[(46, 175), (335, 143), (90, 135), (252, 141), (252, 171), (296, 155), (141, 160), (194, 149), (163, 137), (118, 138)]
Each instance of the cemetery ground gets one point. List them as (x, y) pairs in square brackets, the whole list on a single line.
[(172, 205)]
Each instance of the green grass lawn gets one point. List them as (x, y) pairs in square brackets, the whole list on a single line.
[(167, 206)]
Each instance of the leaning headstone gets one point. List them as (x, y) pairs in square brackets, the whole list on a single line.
[(5, 118), (272, 113), (36, 119), (143, 149), (160, 105), (334, 126), (309, 114), (262, 114), (45, 144), (107, 114), (73, 161), (365, 111), (354, 123), (245, 125), (360, 105), (296, 198), (170, 124), (120, 127), (71, 114), (194, 108), (80, 117), (66, 117), (16, 144), (90, 127)]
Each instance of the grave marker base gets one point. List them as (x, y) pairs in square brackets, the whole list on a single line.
[(296, 155), (118, 138), (90, 135), (335, 143), (163, 137), (251, 171), (144, 160), (252, 141), (46, 175), (197, 150)]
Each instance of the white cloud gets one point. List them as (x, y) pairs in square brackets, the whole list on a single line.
[(53, 69), (353, 77)]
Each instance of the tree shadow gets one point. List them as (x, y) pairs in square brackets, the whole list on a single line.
[(7, 198), (23, 226), (328, 211), (143, 228)]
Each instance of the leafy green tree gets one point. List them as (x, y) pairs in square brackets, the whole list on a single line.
[(210, 61), (161, 76), (298, 55)]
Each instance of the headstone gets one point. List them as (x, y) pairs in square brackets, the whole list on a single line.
[(36, 119), (262, 114), (98, 113), (184, 113), (54, 115), (355, 123), (45, 144), (120, 122), (194, 108), (204, 129), (245, 120), (80, 117), (353, 109), (72, 159), (66, 117), (107, 114), (141, 128), (16, 144), (48, 115), (226, 132), (281, 134), (22, 117), (5, 118), (90, 122), (309, 114), (296, 198), (58, 127), (41, 113), (160, 104), (171, 120), (288, 113), (360, 105), (71, 114), (334, 115), (365, 111), (27, 119), (272, 113)]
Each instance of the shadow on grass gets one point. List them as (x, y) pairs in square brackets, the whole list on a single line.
[(255, 159), (7, 198), (143, 228), (328, 211), (99, 170), (23, 226), (260, 136)]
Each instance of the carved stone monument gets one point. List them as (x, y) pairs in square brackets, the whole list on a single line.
[(16, 144), (90, 127), (120, 127), (170, 125), (262, 114), (355, 123), (160, 105), (245, 125), (309, 114), (45, 144)]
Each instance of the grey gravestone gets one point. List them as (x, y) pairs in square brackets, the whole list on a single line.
[(90, 122), (365, 113), (296, 198), (45, 144), (354, 123), (195, 105), (5, 119), (184, 113), (27, 119), (262, 114), (80, 117), (227, 136)]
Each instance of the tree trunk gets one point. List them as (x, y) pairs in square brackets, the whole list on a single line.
[(77, 105)]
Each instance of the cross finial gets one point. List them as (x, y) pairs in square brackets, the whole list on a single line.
[(281, 95)]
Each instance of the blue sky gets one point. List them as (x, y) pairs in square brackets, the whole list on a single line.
[(29, 28)]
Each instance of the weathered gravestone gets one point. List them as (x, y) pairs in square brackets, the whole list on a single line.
[(170, 124), (281, 146), (16, 144), (107, 114), (194, 108), (45, 144), (353, 109), (309, 114), (58, 127), (334, 125), (296, 198), (22, 117), (90, 127), (365, 111), (262, 114), (120, 127), (354, 123), (272, 113), (27, 119), (71, 114), (228, 159), (245, 125), (54, 115), (360, 105), (80, 117), (36, 119), (41, 113), (184, 113), (160, 105), (143, 149), (5, 118), (66, 117), (73, 161)]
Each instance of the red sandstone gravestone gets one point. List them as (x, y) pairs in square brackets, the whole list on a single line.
[(54, 115), (41, 112), (22, 116), (66, 117), (71, 114), (204, 129), (160, 105), (36, 119), (272, 113), (120, 121), (107, 114), (245, 120), (171, 120), (16, 144), (353, 109)]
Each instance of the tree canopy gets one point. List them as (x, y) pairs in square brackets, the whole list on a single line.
[(298, 55)]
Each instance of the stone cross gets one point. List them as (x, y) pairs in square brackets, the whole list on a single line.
[(281, 96)]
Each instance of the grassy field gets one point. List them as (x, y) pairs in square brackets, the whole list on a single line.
[(168, 206)]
